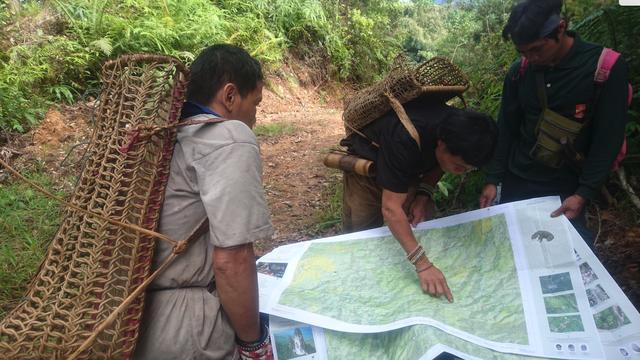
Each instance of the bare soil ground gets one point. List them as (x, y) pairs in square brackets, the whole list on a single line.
[(295, 179)]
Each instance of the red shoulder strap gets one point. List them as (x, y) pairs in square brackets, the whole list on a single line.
[(608, 58), (524, 63), (606, 61)]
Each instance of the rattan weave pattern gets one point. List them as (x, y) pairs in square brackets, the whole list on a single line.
[(404, 82), (91, 265)]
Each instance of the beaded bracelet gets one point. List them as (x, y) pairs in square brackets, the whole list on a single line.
[(414, 255), (426, 189), (417, 256), (258, 344)]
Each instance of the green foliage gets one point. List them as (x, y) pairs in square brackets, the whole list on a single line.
[(354, 39), (30, 76), (422, 28), (28, 220), (287, 22), (367, 43), (469, 33), (111, 28), (575, 11), (4, 14), (274, 129), (458, 193)]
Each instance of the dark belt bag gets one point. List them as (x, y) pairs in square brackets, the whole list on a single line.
[(554, 133)]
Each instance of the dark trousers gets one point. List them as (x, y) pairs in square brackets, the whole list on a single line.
[(515, 188)]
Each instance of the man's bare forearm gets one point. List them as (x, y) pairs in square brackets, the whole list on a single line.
[(432, 281), (401, 230), (398, 222), (237, 285)]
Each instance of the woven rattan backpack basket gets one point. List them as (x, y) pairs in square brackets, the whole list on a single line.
[(405, 82), (101, 253)]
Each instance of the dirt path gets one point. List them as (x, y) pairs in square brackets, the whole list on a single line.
[(294, 177)]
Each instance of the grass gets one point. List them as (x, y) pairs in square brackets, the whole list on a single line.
[(275, 129), (330, 214), (28, 220)]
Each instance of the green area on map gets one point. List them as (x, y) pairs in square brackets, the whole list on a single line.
[(369, 281), (405, 343)]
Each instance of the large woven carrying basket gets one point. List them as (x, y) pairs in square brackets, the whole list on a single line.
[(405, 82), (92, 265)]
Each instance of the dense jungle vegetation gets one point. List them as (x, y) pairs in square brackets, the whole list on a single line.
[(51, 52)]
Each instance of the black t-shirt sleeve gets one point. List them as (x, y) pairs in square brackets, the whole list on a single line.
[(397, 155)]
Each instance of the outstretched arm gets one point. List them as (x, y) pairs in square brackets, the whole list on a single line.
[(432, 281)]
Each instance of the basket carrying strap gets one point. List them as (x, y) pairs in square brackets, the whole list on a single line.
[(361, 134), (404, 118)]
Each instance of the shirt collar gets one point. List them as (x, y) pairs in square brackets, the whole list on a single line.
[(192, 108)]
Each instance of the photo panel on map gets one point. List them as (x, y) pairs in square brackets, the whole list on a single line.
[(611, 318), (565, 323), (295, 343), (561, 304), (588, 276), (596, 295), (275, 269), (556, 283)]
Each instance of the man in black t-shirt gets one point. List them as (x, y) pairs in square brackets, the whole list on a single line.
[(400, 194)]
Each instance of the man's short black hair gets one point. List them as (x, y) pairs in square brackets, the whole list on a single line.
[(527, 18), (470, 135), (218, 65)]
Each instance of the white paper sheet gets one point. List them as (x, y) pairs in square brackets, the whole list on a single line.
[(559, 320)]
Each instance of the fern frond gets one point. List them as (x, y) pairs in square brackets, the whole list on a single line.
[(104, 45)]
